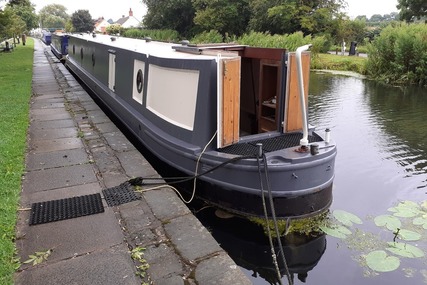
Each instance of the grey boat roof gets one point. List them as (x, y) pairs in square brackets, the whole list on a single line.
[(158, 49)]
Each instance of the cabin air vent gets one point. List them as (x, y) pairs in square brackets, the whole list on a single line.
[(147, 39)]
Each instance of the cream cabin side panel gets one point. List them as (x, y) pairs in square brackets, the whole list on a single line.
[(172, 95)]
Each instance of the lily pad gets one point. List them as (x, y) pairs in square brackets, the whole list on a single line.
[(405, 250), (379, 261), (408, 235), (421, 221), (336, 231), (390, 222), (346, 218), (406, 209)]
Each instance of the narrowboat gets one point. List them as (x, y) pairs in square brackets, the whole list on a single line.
[(232, 116), (46, 37), (59, 45)]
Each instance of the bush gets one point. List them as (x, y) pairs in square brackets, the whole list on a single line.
[(288, 41), (212, 36), (158, 35), (399, 55)]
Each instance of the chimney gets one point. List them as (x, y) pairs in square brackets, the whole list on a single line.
[(130, 12)]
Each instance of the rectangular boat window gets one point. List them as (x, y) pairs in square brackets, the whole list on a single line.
[(112, 71), (172, 94)]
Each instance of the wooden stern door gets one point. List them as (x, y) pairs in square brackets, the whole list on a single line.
[(228, 101), (293, 113)]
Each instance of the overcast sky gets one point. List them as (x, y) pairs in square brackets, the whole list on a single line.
[(116, 9)]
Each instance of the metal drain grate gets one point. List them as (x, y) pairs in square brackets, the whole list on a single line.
[(124, 193), (63, 209)]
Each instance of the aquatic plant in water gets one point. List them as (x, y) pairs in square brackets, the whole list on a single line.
[(383, 256), (406, 222)]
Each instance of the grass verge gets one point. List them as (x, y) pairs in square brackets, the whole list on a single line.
[(16, 69), (339, 62)]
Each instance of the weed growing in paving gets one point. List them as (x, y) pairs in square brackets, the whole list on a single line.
[(15, 92)]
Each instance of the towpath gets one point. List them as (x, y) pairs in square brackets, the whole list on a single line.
[(74, 153)]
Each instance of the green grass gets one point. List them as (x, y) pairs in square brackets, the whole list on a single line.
[(16, 70), (339, 62)]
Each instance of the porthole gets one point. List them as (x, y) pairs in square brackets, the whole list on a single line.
[(139, 81), (81, 53), (74, 49)]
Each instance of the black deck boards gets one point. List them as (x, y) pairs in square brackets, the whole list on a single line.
[(57, 210)]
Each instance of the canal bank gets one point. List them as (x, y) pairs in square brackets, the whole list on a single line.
[(76, 154)]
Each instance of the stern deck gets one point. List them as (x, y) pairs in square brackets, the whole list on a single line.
[(282, 141)]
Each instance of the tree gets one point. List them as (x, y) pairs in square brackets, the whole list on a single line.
[(53, 16), (224, 16), (82, 21), (411, 9), (25, 10), (170, 14), (289, 16)]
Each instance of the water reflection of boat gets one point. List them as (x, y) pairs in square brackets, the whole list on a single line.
[(214, 109), (248, 246)]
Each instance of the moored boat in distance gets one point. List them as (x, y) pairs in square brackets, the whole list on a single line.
[(228, 114)]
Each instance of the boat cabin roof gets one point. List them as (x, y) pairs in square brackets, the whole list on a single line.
[(164, 49)]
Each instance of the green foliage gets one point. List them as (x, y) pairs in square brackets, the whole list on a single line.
[(212, 36), (114, 29), (379, 261), (399, 55), (411, 9), (38, 257), (82, 21), (158, 35), (15, 93), (226, 17), (54, 16), (137, 254), (25, 11), (174, 15), (288, 41)]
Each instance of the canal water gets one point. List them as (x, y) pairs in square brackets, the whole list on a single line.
[(381, 133)]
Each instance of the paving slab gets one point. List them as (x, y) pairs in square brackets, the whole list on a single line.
[(54, 124), (56, 159), (165, 204), (135, 165), (55, 178), (108, 127), (163, 262), (111, 266), (38, 146), (48, 115), (220, 269), (191, 239), (118, 141), (49, 134), (62, 193), (72, 237)]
